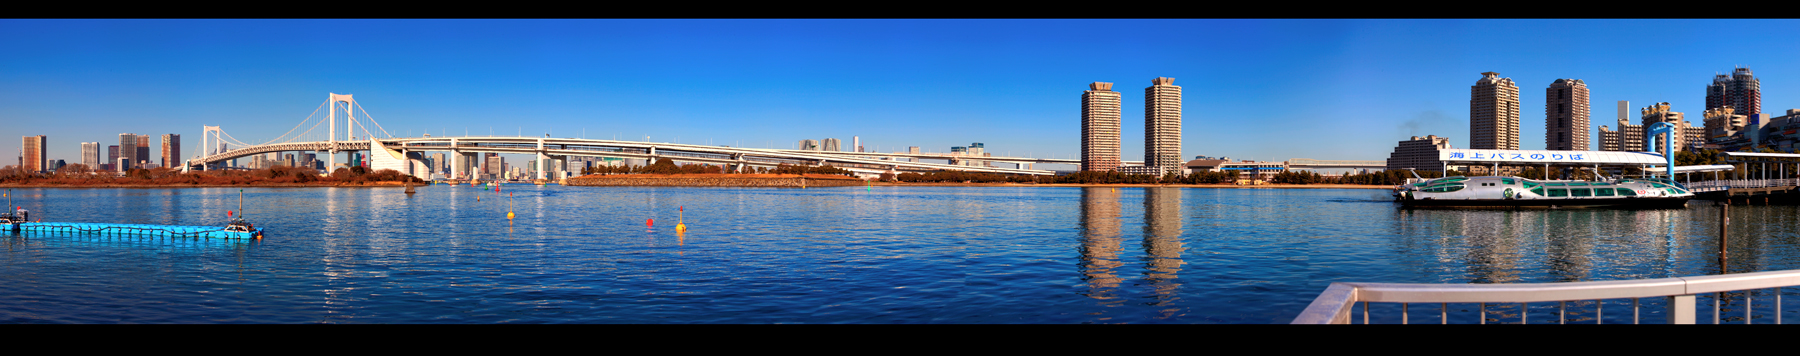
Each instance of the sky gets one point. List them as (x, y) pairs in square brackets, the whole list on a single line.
[(1252, 89)]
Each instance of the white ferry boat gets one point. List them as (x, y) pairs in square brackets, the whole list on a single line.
[(1519, 192)]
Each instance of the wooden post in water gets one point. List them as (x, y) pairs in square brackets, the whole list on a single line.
[(1724, 228)]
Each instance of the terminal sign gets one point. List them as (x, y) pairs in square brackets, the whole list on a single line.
[(1509, 156)]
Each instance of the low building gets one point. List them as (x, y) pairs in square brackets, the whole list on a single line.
[(1419, 153)]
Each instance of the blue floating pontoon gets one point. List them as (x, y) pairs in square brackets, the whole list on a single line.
[(236, 230)]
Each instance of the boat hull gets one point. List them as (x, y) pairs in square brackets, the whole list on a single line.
[(1616, 203)]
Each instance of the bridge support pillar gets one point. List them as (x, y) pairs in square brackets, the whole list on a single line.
[(543, 161)]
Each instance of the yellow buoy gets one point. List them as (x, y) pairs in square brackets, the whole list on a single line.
[(680, 220)]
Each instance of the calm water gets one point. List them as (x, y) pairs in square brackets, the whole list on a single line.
[(835, 255)]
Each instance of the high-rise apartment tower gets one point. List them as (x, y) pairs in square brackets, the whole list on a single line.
[(1494, 113), (1099, 128), (171, 151), (127, 151), (90, 155), (35, 160), (1162, 124), (1741, 91), (143, 153), (1566, 116)]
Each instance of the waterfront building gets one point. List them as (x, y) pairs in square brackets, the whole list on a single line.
[(90, 155), (1494, 113), (1741, 91), (833, 145), (1566, 116), (1099, 128), (143, 153), (1631, 137), (112, 158), (171, 151), (1726, 129), (128, 151), (1162, 125), (32, 154), (493, 164), (809, 145), (1418, 153)]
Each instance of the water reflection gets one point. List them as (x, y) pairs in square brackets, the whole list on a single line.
[(1162, 242), (1100, 241)]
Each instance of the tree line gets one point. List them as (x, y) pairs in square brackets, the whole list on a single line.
[(81, 174)]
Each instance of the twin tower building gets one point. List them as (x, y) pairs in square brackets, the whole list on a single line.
[(1162, 129)]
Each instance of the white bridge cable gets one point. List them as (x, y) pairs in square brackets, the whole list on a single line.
[(371, 122)]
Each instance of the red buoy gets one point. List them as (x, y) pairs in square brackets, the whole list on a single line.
[(649, 222)]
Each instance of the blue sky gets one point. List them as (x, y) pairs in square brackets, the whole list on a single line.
[(1256, 89)]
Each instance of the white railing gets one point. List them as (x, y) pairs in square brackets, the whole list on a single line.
[(1337, 304), (1724, 184)]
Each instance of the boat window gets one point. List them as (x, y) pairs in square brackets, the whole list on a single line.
[(1626, 192), (1444, 188), (1559, 192), (1603, 192), (1673, 191), (1554, 184), (1531, 184), (1659, 185), (1539, 191), (1507, 181), (1583, 192)]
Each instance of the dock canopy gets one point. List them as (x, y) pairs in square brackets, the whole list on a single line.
[(1703, 169), (1459, 156)]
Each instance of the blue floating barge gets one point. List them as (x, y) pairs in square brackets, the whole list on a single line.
[(235, 230)]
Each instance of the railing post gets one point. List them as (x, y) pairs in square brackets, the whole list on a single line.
[(1681, 309)]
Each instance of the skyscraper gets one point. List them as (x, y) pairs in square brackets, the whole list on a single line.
[(90, 155), (32, 152), (1162, 124), (1494, 113), (809, 145), (143, 153), (833, 145), (171, 150), (1741, 91), (1566, 116), (112, 158), (1099, 128), (127, 151)]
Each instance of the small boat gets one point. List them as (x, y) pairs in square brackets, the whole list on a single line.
[(1496, 191)]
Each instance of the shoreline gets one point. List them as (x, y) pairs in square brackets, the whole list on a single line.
[(261, 185), (1213, 186)]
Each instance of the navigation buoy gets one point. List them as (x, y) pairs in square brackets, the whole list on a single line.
[(509, 206), (649, 222), (680, 220)]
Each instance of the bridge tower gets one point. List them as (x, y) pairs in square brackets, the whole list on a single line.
[(209, 141), (349, 119)]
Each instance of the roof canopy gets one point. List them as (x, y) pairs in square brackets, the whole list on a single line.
[(1705, 168), (1582, 158)]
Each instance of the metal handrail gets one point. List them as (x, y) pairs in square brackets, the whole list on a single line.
[(1334, 306)]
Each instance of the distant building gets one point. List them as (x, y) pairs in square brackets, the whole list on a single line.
[(809, 145), (1740, 91), (1162, 125), (128, 151), (833, 145), (90, 155), (112, 158), (1418, 153), (33, 155), (1099, 128), (171, 151), (144, 159), (1566, 116), (1494, 113), (1631, 137)]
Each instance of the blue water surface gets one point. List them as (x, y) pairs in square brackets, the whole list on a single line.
[(834, 255)]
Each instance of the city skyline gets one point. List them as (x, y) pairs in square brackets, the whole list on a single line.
[(1345, 89)]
